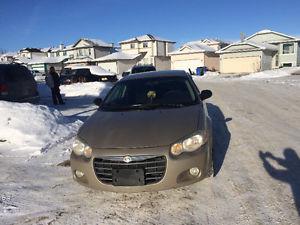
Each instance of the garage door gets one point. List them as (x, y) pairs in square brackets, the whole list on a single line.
[(248, 64), (186, 65)]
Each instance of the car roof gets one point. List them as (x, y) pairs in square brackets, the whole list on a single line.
[(156, 74), (10, 65), (143, 66)]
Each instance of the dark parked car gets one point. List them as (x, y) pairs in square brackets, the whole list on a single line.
[(151, 132), (17, 84), (86, 74), (141, 69)]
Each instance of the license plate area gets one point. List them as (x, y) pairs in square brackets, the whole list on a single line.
[(128, 177)]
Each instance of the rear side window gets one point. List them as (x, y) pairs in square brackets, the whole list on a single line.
[(81, 72)]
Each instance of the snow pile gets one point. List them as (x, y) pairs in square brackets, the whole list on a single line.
[(283, 72), (267, 74), (208, 75), (86, 89), (33, 128)]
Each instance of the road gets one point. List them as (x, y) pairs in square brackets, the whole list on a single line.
[(257, 170)]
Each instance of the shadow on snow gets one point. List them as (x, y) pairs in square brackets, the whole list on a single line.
[(291, 173), (221, 135)]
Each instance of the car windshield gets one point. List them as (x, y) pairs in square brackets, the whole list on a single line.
[(150, 93)]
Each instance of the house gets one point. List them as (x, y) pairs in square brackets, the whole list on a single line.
[(43, 64), (31, 53), (195, 54), (61, 50), (85, 50), (8, 57), (263, 50), (154, 48), (118, 62), (214, 43)]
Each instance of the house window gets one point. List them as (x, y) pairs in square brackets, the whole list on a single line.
[(80, 52), (57, 53), (132, 45), (288, 48), (145, 45), (64, 53), (287, 64), (90, 52)]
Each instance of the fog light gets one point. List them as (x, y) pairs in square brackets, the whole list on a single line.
[(79, 173), (194, 171)]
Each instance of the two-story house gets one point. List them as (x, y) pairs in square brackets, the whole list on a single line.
[(196, 54), (263, 50), (154, 49), (84, 51)]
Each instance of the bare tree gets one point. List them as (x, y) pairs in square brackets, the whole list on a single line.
[(2, 51)]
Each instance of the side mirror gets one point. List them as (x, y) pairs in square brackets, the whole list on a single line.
[(205, 94), (98, 101)]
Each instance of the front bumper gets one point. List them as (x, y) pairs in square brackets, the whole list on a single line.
[(176, 172)]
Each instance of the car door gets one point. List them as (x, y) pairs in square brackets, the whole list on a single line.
[(20, 82)]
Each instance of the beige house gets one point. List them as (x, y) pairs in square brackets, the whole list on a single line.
[(154, 48), (118, 62), (195, 54), (263, 50)]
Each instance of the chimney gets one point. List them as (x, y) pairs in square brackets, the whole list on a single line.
[(61, 46), (242, 36)]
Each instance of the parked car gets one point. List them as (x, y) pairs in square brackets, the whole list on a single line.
[(17, 84), (86, 74), (38, 75), (151, 132), (139, 69), (142, 68)]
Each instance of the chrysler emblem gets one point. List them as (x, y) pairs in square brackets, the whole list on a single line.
[(127, 159)]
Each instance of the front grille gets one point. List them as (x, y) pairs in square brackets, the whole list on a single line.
[(154, 167)]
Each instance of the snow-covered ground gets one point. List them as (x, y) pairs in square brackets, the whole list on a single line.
[(256, 154)]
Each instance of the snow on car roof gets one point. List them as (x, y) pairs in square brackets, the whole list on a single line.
[(96, 70)]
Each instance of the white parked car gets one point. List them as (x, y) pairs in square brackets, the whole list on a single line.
[(38, 75)]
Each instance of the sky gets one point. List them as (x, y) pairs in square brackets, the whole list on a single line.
[(43, 23)]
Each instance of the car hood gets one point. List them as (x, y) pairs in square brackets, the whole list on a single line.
[(137, 129)]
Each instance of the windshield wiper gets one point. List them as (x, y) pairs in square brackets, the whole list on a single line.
[(155, 106), (143, 106)]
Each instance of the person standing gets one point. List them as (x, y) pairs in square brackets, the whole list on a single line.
[(52, 81)]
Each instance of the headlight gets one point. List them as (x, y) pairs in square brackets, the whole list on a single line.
[(82, 149), (190, 144)]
